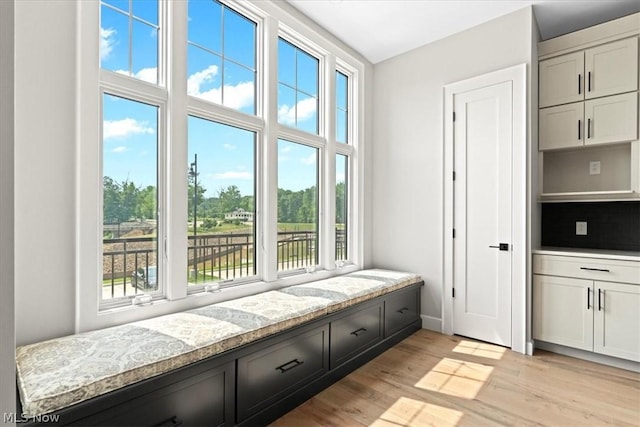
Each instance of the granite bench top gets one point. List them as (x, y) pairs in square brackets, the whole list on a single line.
[(64, 371)]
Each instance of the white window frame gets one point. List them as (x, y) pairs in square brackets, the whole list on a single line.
[(274, 21)]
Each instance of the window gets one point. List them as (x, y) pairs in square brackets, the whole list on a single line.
[(130, 201), (221, 57), (297, 206), (208, 182), (297, 87), (129, 34), (221, 200)]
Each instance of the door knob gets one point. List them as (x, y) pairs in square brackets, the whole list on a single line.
[(501, 246)]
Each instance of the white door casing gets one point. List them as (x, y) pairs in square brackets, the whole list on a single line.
[(482, 213), (518, 245)]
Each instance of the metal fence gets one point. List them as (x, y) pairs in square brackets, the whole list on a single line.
[(129, 264)]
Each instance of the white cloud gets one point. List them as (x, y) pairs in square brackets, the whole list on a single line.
[(124, 128), (339, 177), (235, 96), (232, 175), (229, 147), (309, 160), (106, 42), (146, 74), (306, 109), (120, 149)]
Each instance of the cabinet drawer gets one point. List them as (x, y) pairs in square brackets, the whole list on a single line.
[(400, 310), (270, 374), (204, 399), (587, 268), (354, 333)]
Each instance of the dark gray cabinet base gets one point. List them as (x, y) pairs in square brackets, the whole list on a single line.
[(261, 381)]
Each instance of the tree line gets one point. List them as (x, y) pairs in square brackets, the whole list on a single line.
[(125, 201)]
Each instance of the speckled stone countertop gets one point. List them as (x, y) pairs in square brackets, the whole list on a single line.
[(64, 371)]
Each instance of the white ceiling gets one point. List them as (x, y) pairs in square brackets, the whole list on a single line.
[(381, 29)]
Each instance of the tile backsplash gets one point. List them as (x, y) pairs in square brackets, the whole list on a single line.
[(610, 225)]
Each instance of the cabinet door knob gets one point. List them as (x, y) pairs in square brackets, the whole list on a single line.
[(600, 298), (589, 82), (588, 298)]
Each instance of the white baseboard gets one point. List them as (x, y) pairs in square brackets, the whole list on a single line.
[(431, 323), (587, 355)]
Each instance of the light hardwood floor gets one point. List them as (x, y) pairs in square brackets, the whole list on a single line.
[(434, 379)]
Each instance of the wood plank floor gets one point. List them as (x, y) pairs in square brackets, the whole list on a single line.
[(433, 379)]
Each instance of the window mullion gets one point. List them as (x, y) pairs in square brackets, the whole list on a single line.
[(328, 194), (176, 165), (269, 173)]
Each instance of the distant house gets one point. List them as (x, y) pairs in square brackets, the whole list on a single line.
[(239, 214)]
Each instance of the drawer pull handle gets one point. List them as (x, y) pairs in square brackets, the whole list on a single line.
[(594, 269), (359, 331), (289, 366), (403, 309), (171, 422)]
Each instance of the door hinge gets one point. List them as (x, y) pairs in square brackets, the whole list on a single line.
[(453, 292), (454, 116), (454, 233)]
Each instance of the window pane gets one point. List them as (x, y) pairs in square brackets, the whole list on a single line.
[(298, 71), (205, 24), (341, 90), (221, 202), (120, 32), (239, 88), (145, 52), (341, 126), (114, 40), (120, 4), (130, 206), (307, 113), (342, 166), (342, 115), (233, 85), (297, 206), (239, 38), (147, 10), (307, 74), (286, 63), (204, 70)]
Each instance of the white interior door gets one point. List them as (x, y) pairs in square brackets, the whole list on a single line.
[(483, 135)]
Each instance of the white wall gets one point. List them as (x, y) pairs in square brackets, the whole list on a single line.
[(45, 169), (7, 329), (407, 211)]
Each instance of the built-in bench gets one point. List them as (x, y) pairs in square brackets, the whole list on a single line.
[(58, 374)]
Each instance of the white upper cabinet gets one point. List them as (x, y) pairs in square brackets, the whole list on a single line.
[(562, 79), (611, 119), (604, 70), (611, 68)]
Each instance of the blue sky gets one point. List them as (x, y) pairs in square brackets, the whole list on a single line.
[(221, 69)]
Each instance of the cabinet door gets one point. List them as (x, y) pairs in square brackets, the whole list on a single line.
[(562, 126), (563, 311), (617, 320), (612, 68), (611, 119), (561, 79)]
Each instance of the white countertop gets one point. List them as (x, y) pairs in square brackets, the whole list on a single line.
[(589, 253)]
